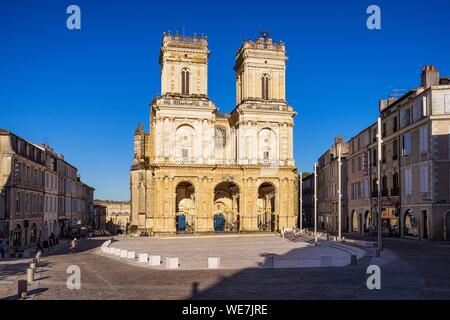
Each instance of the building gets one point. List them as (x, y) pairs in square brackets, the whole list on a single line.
[(199, 170), (415, 164), (70, 201), (33, 184), (360, 172), (22, 178), (118, 214), (99, 219), (308, 200), (328, 186), (51, 188)]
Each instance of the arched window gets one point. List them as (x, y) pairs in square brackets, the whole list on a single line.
[(185, 136), (185, 81), (265, 87), (267, 145)]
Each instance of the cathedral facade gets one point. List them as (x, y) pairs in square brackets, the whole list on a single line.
[(202, 171)]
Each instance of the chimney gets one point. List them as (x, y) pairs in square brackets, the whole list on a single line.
[(430, 76), (383, 104), (339, 139)]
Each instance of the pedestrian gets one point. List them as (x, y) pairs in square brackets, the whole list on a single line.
[(73, 245), (39, 246)]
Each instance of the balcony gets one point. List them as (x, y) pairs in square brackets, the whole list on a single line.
[(268, 162), (185, 160), (384, 193), (225, 161)]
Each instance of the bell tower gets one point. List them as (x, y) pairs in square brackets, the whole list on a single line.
[(260, 71), (184, 65)]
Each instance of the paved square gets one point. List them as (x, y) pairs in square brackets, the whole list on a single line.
[(238, 251)]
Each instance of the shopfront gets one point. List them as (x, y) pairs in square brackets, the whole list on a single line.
[(390, 222)]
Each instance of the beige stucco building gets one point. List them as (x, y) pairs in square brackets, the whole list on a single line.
[(415, 164), (40, 193), (199, 170), (328, 186), (117, 214)]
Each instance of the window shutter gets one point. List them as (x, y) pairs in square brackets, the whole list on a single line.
[(447, 103)]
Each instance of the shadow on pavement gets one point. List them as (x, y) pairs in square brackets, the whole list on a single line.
[(32, 292)]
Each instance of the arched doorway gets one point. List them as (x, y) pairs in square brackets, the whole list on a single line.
[(185, 207), (355, 221), (367, 221), (226, 207), (17, 238), (410, 227), (266, 207), (33, 233)]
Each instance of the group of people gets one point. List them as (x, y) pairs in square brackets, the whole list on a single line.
[(40, 246), (52, 240)]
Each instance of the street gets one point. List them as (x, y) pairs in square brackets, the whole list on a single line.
[(409, 270)]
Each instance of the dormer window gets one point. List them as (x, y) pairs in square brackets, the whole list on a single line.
[(265, 87), (185, 81)]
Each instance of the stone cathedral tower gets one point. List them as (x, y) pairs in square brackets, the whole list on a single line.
[(201, 171)]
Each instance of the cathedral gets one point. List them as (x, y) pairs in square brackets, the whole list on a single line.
[(201, 171)]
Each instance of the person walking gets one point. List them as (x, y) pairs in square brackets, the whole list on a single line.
[(39, 246), (73, 245)]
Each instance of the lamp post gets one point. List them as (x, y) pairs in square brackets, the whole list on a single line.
[(315, 203), (301, 202), (339, 192), (379, 142)]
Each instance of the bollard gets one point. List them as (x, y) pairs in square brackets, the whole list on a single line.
[(172, 263), (143, 257), (30, 275), (213, 262), (353, 260), (154, 260), (33, 266), (22, 287)]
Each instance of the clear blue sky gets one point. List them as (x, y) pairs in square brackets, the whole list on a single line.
[(85, 91)]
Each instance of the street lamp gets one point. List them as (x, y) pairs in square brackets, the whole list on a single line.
[(379, 142), (315, 203), (301, 202), (339, 193)]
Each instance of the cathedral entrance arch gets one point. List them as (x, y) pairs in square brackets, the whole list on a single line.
[(266, 207), (226, 207), (185, 207)]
